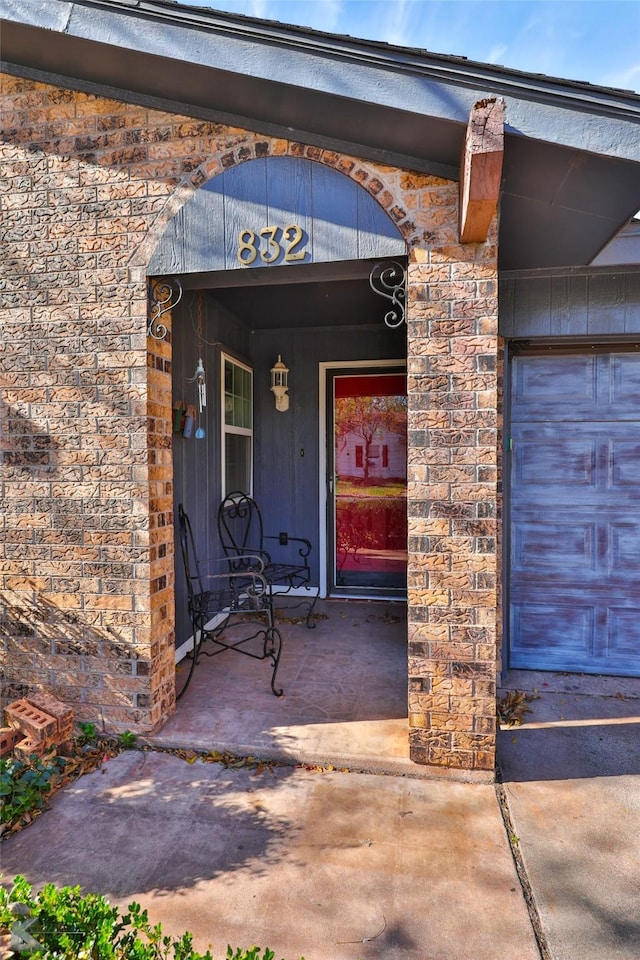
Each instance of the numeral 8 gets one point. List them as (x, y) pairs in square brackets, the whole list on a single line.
[(247, 242)]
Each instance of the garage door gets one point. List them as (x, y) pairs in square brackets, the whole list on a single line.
[(574, 509)]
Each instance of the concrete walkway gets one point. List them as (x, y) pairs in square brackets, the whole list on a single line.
[(376, 863), (571, 776), (329, 866)]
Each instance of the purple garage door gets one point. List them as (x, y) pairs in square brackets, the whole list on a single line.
[(574, 508)]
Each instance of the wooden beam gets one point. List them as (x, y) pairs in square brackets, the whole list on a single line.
[(481, 169)]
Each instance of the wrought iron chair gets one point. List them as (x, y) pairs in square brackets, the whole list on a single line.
[(229, 608), (285, 567)]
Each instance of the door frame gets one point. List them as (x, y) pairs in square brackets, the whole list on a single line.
[(334, 366)]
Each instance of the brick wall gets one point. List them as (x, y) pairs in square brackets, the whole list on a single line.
[(453, 501), (88, 186)]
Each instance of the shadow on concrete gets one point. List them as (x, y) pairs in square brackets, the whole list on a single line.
[(576, 727), (131, 827), (325, 865)]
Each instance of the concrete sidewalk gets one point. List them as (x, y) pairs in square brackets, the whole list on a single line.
[(325, 865), (341, 866), (338, 866), (571, 776)]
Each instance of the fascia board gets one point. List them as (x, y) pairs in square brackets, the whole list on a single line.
[(599, 120)]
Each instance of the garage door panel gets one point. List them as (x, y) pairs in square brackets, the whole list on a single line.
[(625, 382), (556, 544), (574, 509), (554, 547), (537, 625), (552, 380), (603, 457), (624, 465), (597, 386), (547, 461), (623, 633), (623, 551)]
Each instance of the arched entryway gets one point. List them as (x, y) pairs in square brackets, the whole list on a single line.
[(274, 258)]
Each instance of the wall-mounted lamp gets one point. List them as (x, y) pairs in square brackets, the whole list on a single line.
[(280, 384)]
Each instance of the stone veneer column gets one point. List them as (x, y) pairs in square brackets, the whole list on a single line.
[(161, 530), (453, 505)]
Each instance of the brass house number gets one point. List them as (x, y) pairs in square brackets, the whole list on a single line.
[(269, 243)]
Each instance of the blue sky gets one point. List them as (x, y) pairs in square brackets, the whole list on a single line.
[(597, 41)]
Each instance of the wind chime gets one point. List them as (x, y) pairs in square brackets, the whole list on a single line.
[(199, 377)]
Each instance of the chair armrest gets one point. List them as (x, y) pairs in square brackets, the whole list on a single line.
[(231, 580), (250, 561), (284, 539)]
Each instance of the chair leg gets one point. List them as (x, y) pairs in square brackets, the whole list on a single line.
[(273, 650), (193, 656), (310, 621), (302, 602)]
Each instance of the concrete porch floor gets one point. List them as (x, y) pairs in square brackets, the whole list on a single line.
[(345, 694)]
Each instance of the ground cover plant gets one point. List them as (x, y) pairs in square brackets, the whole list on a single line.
[(26, 783), (60, 923)]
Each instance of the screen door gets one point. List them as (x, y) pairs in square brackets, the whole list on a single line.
[(367, 483)]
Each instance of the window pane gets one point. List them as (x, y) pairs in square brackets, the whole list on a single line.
[(248, 401), (238, 399), (237, 463)]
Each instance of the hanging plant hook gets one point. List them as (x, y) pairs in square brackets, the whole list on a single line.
[(389, 279), (163, 296)]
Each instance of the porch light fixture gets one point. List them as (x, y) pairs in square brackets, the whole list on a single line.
[(280, 384)]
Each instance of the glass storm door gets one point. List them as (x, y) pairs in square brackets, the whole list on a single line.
[(368, 483)]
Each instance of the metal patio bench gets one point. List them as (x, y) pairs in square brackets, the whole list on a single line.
[(231, 609), (284, 558)]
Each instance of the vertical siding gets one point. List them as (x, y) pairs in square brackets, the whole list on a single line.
[(575, 304), (338, 220), (196, 463), (287, 479)]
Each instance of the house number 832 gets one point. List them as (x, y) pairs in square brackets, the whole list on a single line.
[(270, 243)]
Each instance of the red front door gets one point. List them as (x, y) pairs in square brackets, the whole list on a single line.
[(368, 483)]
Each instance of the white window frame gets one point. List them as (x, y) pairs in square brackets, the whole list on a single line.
[(227, 428)]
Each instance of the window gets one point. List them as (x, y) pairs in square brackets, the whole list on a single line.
[(237, 427), (359, 456)]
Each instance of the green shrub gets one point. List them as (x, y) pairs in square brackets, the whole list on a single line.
[(25, 785), (60, 923)]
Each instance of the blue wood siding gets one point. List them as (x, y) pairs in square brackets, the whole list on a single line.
[(339, 220), (579, 303), (196, 463)]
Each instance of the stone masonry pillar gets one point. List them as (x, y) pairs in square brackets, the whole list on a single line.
[(453, 506)]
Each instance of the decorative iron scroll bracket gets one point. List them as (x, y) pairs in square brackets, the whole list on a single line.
[(163, 296), (389, 279)]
